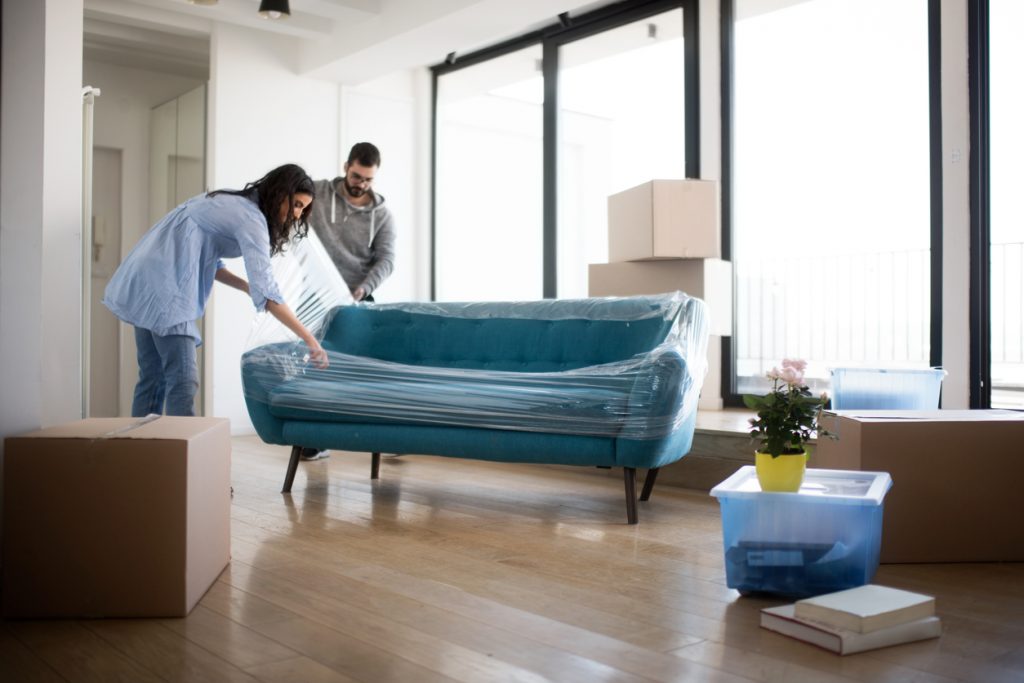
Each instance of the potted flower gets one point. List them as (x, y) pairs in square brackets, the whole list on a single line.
[(787, 417)]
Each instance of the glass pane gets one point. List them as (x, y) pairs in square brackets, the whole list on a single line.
[(1006, 55), (489, 181), (831, 222), (614, 137)]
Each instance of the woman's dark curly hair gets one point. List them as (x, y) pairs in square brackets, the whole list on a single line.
[(277, 187)]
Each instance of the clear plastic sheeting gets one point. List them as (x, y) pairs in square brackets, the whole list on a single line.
[(609, 367), (310, 285)]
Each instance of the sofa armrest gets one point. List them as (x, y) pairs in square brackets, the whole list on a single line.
[(663, 408), (263, 369)]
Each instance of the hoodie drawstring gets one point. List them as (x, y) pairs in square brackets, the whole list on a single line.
[(373, 215)]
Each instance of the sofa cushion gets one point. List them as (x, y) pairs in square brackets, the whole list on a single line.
[(510, 401)]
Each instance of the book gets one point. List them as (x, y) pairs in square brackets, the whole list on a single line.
[(844, 642), (866, 608)]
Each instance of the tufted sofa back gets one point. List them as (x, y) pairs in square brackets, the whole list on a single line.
[(438, 335)]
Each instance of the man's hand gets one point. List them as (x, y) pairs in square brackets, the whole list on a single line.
[(359, 294)]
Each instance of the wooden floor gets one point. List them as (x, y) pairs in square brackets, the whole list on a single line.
[(455, 570)]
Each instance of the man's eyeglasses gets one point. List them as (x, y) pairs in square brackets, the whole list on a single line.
[(356, 179)]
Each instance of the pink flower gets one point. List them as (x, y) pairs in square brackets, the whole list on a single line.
[(797, 364), (791, 375), (774, 373)]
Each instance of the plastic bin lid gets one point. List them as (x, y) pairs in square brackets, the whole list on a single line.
[(894, 371), (846, 487)]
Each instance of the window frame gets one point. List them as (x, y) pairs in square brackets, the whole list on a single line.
[(551, 38), (980, 269)]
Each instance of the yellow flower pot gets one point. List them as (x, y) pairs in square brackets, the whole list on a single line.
[(784, 473)]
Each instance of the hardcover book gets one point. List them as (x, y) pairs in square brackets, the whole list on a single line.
[(866, 608), (844, 642)]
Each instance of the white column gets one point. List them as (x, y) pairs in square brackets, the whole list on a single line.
[(40, 214), (956, 203)]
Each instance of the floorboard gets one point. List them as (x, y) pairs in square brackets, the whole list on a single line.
[(448, 570)]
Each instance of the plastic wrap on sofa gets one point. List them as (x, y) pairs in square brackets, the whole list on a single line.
[(572, 389)]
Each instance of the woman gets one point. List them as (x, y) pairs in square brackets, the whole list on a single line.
[(162, 286)]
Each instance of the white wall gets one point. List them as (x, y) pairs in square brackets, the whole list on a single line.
[(261, 115), (956, 219), (711, 161), (40, 215), (384, 112), (121, 121)]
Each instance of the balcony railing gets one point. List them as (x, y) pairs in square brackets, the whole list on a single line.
[(865, 310)]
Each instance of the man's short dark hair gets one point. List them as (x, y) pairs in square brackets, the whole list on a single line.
[(364, 154)]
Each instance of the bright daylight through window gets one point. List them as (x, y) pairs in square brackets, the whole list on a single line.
[(1006, 111), (830, 199), (489, 197), (614, 138), (489, 226)]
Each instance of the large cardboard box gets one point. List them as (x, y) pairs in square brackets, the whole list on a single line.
[(665, 219), (956, 479), (707, 279), (115, 517)]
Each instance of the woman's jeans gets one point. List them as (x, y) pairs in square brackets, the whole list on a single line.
[(167, 372)]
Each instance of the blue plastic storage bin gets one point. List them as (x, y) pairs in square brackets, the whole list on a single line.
[(886, 389), (824, 538)]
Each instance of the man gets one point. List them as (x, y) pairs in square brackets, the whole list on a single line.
[(356, 229), (354, 225)]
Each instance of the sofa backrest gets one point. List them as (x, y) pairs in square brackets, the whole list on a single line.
[(501, 336)]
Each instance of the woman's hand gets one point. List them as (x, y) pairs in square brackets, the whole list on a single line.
[(317, 355), (316, 352)]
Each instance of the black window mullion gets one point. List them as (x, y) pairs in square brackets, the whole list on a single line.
[(936, 156), (730, 397), (550, 116), (980, 272), (691, 100)]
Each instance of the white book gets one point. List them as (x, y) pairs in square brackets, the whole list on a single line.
[(866, 608), (782, 620)]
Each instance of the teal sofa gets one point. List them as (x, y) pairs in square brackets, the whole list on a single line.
[(609, 382)]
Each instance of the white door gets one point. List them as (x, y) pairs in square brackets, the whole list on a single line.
[(106, 254)]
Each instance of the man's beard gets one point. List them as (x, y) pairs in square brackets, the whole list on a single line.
[(352, 191)]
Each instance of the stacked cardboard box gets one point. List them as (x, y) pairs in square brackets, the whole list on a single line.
[(665, 235)]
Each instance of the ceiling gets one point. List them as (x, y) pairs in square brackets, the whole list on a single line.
[(348, 41)]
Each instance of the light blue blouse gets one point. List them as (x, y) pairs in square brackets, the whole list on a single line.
[(164, 283)]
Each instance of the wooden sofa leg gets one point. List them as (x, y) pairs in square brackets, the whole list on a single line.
[(645, 495), (375, 466), (629, 473), (293, 464)]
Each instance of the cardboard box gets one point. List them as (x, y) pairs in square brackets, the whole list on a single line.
[(665, 219), (956, 479), (115, 517), (707, 279)]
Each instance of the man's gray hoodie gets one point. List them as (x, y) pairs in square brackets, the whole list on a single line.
[(359, 239)]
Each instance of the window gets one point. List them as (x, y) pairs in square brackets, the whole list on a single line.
[(830, 186), (1006, 149), (621, 123), (531, 137), (489, 181)]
